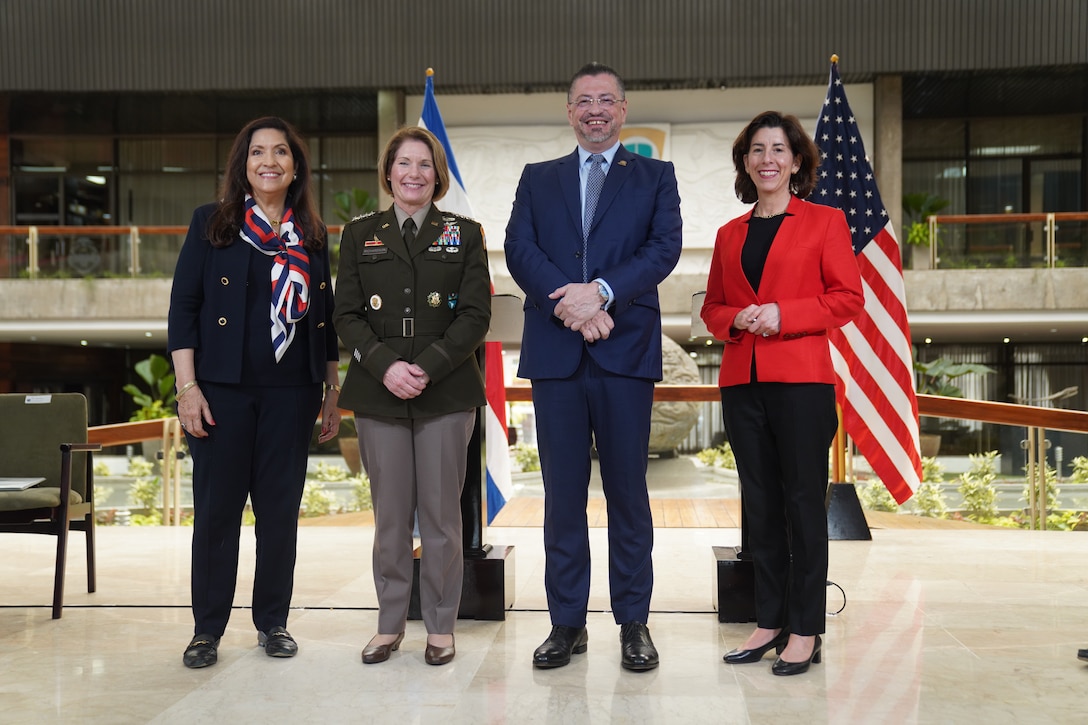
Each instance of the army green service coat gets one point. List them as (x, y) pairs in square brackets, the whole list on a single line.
[(429, 305)]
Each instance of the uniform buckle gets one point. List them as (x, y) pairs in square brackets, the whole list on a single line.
[(408, 326)]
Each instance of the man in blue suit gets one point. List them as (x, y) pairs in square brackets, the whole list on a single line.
[(591, 236)]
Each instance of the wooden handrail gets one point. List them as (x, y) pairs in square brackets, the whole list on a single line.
[(119, 434), (931, 405), (1068, 216)]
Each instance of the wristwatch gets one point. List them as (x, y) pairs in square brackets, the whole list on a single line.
[(603, 293)]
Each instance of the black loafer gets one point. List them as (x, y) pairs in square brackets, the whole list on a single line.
[(560, 645), (1082, 654), (636, 648), (203, 651), (277, 643)]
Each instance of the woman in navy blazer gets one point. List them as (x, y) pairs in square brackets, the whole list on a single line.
[(782, 275), (252, 341)]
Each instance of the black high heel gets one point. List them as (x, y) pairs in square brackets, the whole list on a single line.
[(745, 656), (781, 667)]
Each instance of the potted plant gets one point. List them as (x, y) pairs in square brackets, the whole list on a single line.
[(159, 402), (935, 378), (917, 208)]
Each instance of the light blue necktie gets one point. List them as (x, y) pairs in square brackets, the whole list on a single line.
[(594, 184)]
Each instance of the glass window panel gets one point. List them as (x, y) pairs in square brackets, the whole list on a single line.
[(995, 186), (1026, 136), (62, 153), (349, 152), (163, 199), (167, 155), (934, 139), (328, 184), (37, 199)]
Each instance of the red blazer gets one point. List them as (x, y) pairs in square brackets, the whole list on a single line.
[(810, 272)]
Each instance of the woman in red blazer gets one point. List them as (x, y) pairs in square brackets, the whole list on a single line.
[(781, 276)]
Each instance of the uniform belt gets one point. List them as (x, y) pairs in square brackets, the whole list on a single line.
[(409, 327)]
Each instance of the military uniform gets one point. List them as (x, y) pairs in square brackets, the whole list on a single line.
[(428, 303)]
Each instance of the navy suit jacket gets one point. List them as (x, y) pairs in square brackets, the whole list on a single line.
[(208, 304), (634, 243)]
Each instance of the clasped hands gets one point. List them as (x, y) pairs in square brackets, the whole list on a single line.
[(762, 320), (405, 380), (580, 310)]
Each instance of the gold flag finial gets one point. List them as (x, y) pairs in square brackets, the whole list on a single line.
[(430, 72), (834, 58)]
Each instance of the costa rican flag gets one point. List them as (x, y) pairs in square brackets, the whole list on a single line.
[(499, 485), (872, 354)]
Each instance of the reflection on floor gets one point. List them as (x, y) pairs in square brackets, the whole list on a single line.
[(940, 626)]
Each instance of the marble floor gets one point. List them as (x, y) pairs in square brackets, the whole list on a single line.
[(947, 626)]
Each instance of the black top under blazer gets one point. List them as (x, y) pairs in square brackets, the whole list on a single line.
[(208, 304)]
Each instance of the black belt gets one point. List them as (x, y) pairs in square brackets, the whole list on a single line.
[(408, 327)]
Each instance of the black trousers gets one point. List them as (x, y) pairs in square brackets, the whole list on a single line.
[(258, 449), (780, 434)]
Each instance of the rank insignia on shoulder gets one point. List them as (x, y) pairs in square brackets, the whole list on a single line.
[(364, 216), (434, 299)]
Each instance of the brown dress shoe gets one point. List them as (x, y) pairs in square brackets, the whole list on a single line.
[(435, 655), (373, 654)]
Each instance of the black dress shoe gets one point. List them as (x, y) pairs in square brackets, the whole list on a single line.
[(781, 667), (1082, 654), (745, 656), (277, 643), (203, 651), (560, 645), (636, 648)]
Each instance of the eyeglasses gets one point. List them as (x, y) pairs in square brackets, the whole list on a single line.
[(585, 102)]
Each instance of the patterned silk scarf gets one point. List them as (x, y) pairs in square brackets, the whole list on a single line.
[(290, 270)]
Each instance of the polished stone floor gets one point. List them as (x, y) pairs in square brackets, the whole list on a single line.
[(945, 626)]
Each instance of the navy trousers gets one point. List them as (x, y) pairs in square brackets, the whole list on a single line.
[(257, 449), (572, 413)]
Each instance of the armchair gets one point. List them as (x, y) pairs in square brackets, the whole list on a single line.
[(39, 433)]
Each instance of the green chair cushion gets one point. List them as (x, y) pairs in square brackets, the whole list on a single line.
[(35, 498)]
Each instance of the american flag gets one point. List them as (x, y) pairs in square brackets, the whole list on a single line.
[(872, 354), (500, 487)]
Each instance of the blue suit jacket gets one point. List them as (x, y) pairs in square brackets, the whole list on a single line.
[(634, 243)]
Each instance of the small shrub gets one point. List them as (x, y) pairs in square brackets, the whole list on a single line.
[(316, 501), (328, 472), (526, 457), (360, 493), (101, 469), (928, 500), (876, 497), (719, 457), (1080, 470), (977, 488)]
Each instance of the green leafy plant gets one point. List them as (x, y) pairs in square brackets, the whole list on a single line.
[(352, 203), (526, 457), (875, 496), (719, 456), (360, 493), (977, 488), (316, 501), (935, 377), (918, 208), (1080, 470), (928, 499), (159, 402)]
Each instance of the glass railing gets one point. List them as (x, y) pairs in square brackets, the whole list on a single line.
[(74, 252), (1008, 241)]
